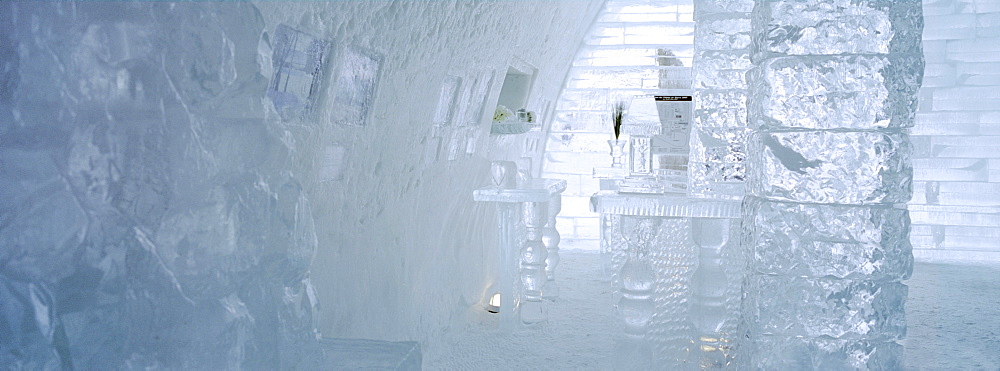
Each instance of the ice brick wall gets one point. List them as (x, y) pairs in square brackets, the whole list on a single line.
[(156, 211), (956, 169), (618, 58)]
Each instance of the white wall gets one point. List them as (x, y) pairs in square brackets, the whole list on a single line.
[(403, 248)]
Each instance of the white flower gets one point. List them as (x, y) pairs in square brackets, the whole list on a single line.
[(502, 113)]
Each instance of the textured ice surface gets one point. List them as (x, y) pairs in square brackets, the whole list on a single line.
[(833, 84), (721, 108), (150, 218), (718, 150), (793, 353), (837, 241), (836, 92), (831, 166), (822, 27), (721, 69), (824, 307), (674, 259)]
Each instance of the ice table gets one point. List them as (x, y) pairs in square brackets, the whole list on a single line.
[(675, 264), (529, 203)]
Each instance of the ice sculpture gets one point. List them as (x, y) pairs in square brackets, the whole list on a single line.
[(679, 258), (524, 269), (638, 281), (722, 57), (150, 216), (832, 92)]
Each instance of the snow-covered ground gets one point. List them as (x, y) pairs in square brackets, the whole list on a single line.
[(953, 321)]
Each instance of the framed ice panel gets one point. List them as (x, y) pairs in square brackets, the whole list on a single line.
[(354, 88), (298, 61), (462, 109), (446, 101), (480, 94), (332, 164)]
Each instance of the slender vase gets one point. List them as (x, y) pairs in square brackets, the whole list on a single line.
[(617, 151)]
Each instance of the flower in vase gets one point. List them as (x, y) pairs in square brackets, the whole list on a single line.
[(502, 113), (617, 116)]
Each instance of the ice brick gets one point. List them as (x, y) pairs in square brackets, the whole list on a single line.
[(720, 108), (792, 353), (824, 307), (713, 7), (840, 241), (835, 92), (831, 167), (725, 31), (716, 69), (837, 27), (717, 162)]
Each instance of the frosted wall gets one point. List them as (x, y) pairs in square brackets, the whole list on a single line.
[(618, 58), (956, 169), (157, 212)]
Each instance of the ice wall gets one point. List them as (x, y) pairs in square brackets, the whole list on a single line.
[(156, 211), (153, 215), (956, 167), (404, 249)]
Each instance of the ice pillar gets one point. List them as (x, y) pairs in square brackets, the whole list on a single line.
[(717, 170), (831, 95), (721, 60)]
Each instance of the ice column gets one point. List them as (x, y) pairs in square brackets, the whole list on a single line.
[(717, 170), (831, 95), (721, 60)]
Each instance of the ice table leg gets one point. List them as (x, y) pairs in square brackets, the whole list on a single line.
[(533, 262), (507, 214), (550, 238)]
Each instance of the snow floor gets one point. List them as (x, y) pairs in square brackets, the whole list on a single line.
[(953, 316)]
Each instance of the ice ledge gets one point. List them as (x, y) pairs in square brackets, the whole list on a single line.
[(537, 190), (611, 202)]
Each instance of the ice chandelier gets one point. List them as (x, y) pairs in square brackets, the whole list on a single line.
[(831, 95)]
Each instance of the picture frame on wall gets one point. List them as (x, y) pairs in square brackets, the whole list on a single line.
[(482, 94), (355, 86), (446, 99)]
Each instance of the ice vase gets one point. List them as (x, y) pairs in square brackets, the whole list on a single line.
[(617, 151)]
